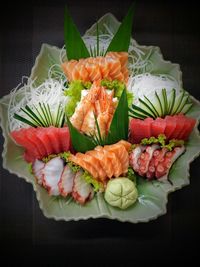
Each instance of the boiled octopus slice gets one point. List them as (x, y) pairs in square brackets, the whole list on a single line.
[(154, 161)]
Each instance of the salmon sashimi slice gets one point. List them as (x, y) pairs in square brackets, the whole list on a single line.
[(121, 153), (112, 66), (99, 161), (68, 67), (104, 162), (117, 166), (94, 163), (85, 165), (126, 144)]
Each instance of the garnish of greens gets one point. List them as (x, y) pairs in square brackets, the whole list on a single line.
[(74, 93), (161, 139), (118, 88), (118, 129), (162, 105), (42, 116), (76, 48)]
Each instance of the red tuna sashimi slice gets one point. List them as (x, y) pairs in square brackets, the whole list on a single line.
[(54, 137), (158, 127), (20, 138), (42, 134), (140, 129), (29, 157), (170, 126), (180, 121), (188, 127), (64, 137), (31, 134)]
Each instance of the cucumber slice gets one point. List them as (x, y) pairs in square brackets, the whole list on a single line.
[(152, 105), (171, 101), (164, 101), (161, 113), (142, 111), (178, 102), (145, 106), (184, 102), (187, 107), (136, 115)]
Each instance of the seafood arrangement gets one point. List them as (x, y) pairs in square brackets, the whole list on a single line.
[(99, 123)]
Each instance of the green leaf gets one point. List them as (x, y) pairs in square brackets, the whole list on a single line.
[(119, 125), (75, 47), (121, 39), (80, 142)]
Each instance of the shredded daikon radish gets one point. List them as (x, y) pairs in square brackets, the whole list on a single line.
[(49, 92), (146, 84)]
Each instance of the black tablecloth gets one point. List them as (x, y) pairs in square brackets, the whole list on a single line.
[(174, 27)]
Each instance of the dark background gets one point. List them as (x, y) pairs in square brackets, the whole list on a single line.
[(24, 231)]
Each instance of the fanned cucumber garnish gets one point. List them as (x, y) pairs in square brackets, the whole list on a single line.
[(162, 105), (42, 116)]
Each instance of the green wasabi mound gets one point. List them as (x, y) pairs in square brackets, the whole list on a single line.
[(121, 192)]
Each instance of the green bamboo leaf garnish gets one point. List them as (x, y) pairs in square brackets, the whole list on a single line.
[(121, 39), (119, 125), (80, 142), (74, 44)]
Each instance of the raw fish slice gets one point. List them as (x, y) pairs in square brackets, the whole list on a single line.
[(42, 134), (94, 163), (170, 126), (82, 191), (180, 122), (85, 165), (188, 127), (106, 163), (103, 64), (126, 144), (52, 174), (121, 154), (31, 134), (54, 137), (37, 168), (65, 184), (29, 157), (20, 138), (157, 127), (99, 156), (64, 137), (117, 165)]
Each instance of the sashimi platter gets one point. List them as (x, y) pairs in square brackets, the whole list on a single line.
[(102, 128)]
